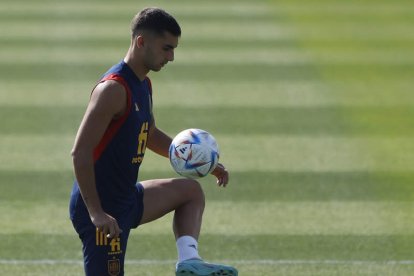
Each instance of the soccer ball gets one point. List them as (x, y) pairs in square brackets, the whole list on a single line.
[(194, 153)]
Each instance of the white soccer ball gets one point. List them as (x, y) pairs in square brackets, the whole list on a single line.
[(194, 153)]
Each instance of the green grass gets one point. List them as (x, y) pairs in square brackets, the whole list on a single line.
[(311, 103)]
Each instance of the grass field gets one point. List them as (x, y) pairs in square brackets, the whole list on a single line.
[(312, 104)]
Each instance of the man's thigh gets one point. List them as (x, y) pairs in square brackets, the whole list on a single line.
[(162, 196)]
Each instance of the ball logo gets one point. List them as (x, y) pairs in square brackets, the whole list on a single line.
[(194, 153), (183, 151)]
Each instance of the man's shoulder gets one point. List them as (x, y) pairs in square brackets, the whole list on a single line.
[(110, 95)]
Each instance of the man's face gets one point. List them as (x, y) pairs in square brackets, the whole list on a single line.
[(159, 50)]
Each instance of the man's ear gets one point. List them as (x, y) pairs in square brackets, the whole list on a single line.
[(139, 41)]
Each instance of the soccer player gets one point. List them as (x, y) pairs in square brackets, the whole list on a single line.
[(117, 127)]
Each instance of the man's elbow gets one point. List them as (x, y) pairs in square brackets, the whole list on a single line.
[(81, 157)]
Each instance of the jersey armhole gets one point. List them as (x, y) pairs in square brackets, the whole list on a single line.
[(115, 124)]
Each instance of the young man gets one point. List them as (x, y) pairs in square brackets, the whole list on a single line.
[(117, 127)]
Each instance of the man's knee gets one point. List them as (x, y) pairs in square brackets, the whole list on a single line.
[(194, 191)]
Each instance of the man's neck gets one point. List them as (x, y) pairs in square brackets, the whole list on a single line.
[(137, 67)]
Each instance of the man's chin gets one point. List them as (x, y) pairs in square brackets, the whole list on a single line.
[(156, 69)]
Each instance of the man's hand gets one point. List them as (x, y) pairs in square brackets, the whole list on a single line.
[(221, 174), (106, 224)]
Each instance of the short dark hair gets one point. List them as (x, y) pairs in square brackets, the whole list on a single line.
[(155, 20)]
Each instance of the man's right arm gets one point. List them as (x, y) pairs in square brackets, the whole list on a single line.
[(108, 101)]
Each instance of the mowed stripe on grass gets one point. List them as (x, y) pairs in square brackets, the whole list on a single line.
[(252, 152), (351, 186), (310, 121), (238, 247), (191, 93), (264, 218), (319, 268)]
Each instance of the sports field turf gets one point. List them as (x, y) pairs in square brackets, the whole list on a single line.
[(312, 104)]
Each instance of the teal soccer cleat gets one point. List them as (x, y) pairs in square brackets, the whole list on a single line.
[(195, 267)]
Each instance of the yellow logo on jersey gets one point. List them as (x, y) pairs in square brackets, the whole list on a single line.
[(142, 144)]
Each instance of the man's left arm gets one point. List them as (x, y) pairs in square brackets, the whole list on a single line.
[(158, 141)]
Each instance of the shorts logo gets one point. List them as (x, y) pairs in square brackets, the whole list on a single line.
[(114, 267), (114, 244), (101, 238)]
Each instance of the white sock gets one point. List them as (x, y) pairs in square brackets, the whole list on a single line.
[(187, 248)]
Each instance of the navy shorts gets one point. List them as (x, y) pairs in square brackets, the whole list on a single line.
[(102, 255)]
